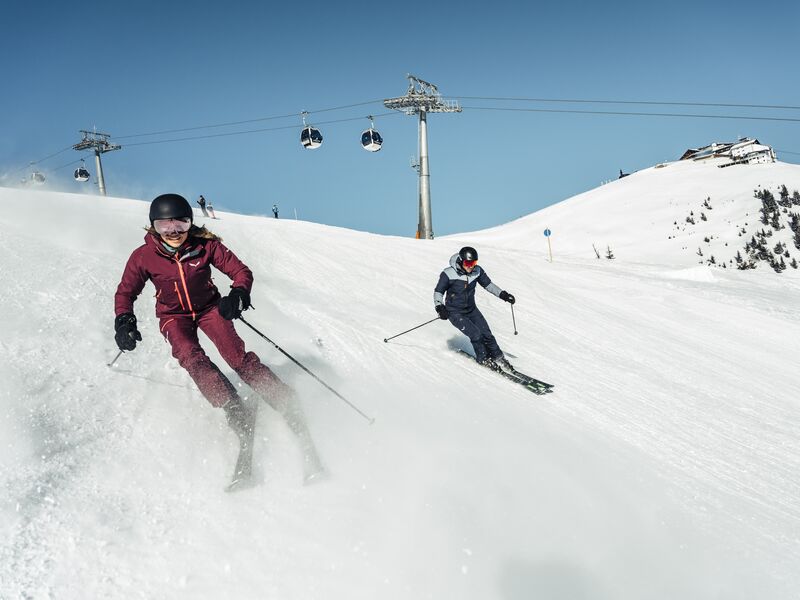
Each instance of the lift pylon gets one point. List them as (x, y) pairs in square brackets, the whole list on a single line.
[(422, 98), (93, 140)]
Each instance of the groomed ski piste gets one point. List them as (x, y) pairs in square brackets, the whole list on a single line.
[(666, 464)]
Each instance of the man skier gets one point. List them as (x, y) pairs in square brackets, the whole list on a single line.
[(202, 202), (177, 257), (458, 282)]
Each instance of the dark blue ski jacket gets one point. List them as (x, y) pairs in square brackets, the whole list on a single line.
[(459, 287)]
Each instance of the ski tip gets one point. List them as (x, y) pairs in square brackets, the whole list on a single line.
[(385, 340)]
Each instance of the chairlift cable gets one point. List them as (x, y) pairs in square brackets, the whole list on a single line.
[(232, 123), (36, 162), (215, 135), (645, 102), (635, 114), (509, 109), (72, 162)]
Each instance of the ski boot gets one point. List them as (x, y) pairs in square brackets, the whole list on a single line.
[(489, 363), (240, 418), (504, 365)]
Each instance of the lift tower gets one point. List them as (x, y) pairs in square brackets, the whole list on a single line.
[(420, 99), (99, 142)]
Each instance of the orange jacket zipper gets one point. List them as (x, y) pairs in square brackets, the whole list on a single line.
[(185, 288)]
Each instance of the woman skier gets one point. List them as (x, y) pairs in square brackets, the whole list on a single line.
[(177, 257), (458, 282)]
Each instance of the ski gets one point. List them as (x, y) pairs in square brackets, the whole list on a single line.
[(529, 383), (532, 380), (243, 471)]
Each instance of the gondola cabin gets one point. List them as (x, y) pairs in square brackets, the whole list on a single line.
[(81, 174), (371, 140), (311, 138)]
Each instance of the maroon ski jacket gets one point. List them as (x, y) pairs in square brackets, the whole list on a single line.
[(182, 280)]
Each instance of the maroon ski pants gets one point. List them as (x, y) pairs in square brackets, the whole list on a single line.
[(181, 333)]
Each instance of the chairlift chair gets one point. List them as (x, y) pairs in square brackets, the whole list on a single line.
[(37, 178)]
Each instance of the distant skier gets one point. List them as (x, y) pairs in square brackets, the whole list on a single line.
[(211, 211), (202, 202), (275, 210), (458, 282), (177, 257)]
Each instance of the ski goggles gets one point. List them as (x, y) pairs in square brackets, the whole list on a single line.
[(171, 226), (468, 264)]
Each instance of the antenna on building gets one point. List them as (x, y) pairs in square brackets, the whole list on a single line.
[(422, 98)]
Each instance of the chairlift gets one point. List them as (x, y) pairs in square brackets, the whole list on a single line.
[(310, 137), (371, 139), (81, 174), (37, 178)]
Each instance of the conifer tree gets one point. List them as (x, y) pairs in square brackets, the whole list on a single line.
[(784, 194)]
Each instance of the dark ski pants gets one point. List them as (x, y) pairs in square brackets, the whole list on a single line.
[(474, 326), (181, 333)]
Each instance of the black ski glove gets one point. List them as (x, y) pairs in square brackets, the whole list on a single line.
[(504, 295), (441, 310), (232, 305), (127, 335)]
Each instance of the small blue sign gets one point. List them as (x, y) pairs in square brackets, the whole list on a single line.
[(547, 233)]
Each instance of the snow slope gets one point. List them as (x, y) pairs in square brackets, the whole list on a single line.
[(643, 216), (665, 465)]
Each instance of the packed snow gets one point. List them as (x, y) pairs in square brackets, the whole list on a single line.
[(665, 465)]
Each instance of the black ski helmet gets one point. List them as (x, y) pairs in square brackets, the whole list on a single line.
[(170, 206), (467, 253)]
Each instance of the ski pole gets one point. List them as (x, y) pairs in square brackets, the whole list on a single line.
[(111, 364), (294, 360), (412, 329), (514, 320)]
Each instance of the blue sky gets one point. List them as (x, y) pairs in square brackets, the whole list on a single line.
[(141, 67)]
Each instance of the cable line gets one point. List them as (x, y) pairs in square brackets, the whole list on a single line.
[(637, 114), (216, 135), (122, 137), (72, 162), (476, 108), (571, 100), (36, 162)]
